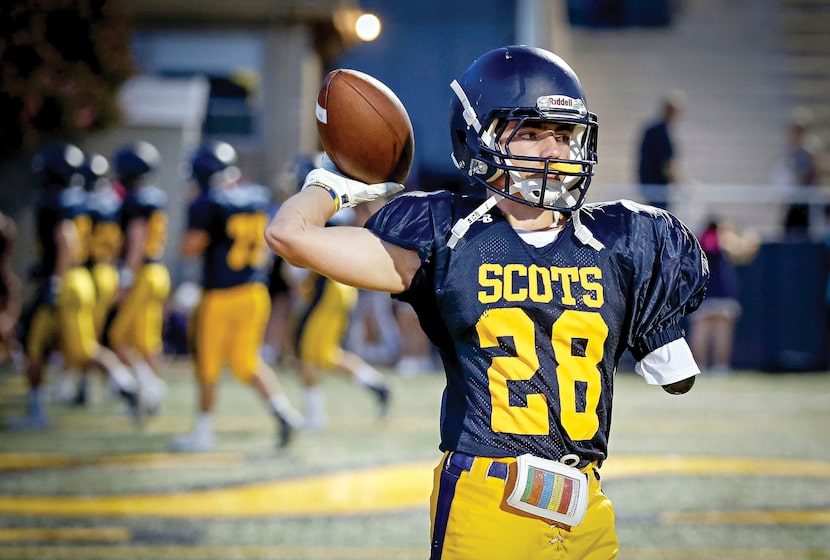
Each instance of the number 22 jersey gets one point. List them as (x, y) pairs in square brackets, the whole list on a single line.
[(530, 338)]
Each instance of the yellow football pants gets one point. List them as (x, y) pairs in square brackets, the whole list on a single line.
[(139, 320), (230, 326), (470, 522)]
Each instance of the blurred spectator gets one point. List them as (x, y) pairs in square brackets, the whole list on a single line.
[(713, 324), (799, 166), (658, 155)]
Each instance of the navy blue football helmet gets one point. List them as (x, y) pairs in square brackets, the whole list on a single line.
[(212, 158), (134, 161), (58, 164), (526, 85)]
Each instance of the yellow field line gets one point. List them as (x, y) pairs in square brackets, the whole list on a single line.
[(72, 534), (345, 493), (357, 492)]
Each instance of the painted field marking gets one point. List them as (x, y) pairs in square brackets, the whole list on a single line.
[(354, 492), (72, 534)]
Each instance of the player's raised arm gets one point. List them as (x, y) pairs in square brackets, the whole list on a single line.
[(348, 254)]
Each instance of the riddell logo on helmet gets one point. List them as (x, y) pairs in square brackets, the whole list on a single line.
[(553, 102)]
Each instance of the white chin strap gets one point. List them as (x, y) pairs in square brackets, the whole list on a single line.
[(463, 225), (583, 234)]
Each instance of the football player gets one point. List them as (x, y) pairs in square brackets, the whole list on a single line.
[(531, 296), (144, 281), (105, 236), (225, 224), (101, 236), (324, 309), (61, 316)]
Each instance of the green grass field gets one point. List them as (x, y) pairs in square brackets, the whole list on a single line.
[(737, 469)]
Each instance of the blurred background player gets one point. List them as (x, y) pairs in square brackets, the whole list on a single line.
[(61, 316), (225, 225), (11, 296), (103, 240), (278, 345), (144, 281), (324, 311), (373, 333)]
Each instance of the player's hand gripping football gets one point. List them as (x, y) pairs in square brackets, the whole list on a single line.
[(347, 192)]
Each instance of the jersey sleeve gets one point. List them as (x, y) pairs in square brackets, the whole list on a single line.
[(420, 222), (414, 221), (671, 275)]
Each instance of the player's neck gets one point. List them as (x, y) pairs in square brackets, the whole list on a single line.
[(526, 218)]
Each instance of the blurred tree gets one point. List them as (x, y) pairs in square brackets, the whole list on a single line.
[(61, 65)]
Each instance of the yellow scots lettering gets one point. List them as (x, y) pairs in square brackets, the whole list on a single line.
[(518, 282)]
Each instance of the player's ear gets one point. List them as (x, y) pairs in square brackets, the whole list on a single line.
[(680, 387)]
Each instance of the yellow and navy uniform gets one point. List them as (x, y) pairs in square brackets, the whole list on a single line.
[(326, 308), (530, 339), (139, 317), (233, 312), (104, 243), (63, 319)]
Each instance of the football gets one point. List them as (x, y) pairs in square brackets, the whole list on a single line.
[(364, 128)]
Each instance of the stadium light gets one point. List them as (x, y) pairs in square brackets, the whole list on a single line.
[(367, 27), (354, 25)]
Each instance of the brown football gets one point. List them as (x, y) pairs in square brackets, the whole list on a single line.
[(364, 127)]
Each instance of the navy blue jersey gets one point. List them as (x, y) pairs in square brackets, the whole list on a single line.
[(531, 337), (54, 207), (148, 203), (235, 220), (106, 239)]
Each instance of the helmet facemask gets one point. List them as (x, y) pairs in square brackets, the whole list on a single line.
[(521, 178)]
